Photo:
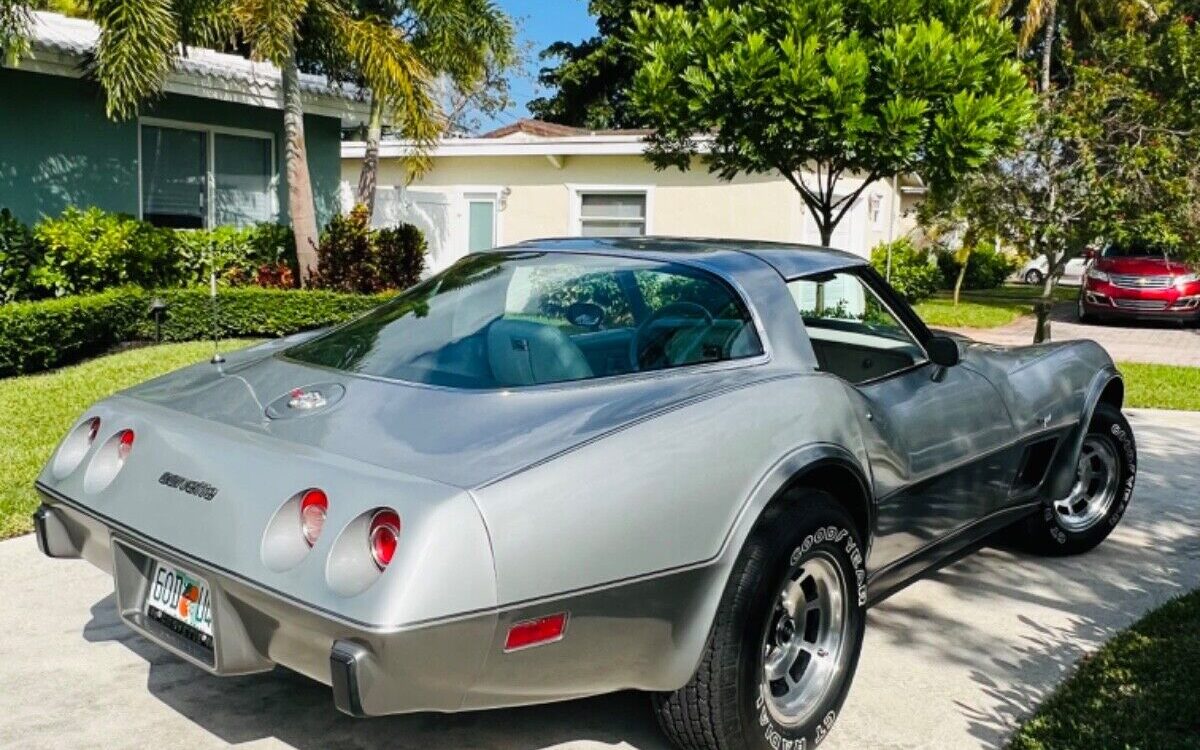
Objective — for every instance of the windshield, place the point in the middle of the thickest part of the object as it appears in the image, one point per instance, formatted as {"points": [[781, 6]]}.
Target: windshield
{"points": [[498, 320], [1136, 250]]}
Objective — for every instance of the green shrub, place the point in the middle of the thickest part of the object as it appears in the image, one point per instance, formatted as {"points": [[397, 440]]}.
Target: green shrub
{"points": [[400, 255], [39, 335], [986, 268], [237, 254], [353, 257], [250, 311], [89, 251], [19, 254], [50, 333], [914, 275]]}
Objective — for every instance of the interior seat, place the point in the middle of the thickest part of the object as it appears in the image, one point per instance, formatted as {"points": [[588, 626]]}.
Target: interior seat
{"points": [[525, 352]]}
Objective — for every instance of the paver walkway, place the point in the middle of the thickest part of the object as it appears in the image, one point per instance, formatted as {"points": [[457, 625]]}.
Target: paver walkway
{"points": [[1160, 343]]}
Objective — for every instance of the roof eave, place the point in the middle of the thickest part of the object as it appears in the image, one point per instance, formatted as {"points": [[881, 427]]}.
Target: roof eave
{"points": [[262, 94]]}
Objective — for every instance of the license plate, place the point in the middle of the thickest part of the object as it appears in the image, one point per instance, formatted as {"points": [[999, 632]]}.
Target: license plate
{"points": [[181, 602]]}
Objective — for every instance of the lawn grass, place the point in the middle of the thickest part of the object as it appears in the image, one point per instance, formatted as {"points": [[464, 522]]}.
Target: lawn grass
{"points": [[37, 410], [940, 312], [1161, 387], [1142, 690]]}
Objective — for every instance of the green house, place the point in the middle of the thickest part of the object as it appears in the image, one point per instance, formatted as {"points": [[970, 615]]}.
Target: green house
{"points": [[208, 152]]}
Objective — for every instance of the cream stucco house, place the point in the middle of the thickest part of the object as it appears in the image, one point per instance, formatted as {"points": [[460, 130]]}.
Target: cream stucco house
{"points": [[535, 179]]}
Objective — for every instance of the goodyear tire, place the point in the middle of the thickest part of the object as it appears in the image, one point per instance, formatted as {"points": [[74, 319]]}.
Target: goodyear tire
{"points": [[1103, 486], [785, 643]]}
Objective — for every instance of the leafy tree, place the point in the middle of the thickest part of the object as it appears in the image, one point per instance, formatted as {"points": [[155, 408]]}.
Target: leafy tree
{"points": [[844, 88], [1109, 157], [15, 22], [591, 79]]}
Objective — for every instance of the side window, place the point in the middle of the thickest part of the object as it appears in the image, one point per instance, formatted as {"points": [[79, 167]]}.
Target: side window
{"points": [[854, 335]]}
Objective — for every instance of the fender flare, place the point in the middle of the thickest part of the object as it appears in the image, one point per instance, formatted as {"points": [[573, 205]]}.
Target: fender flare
{"points": [[1062, 472], [778, 479]]}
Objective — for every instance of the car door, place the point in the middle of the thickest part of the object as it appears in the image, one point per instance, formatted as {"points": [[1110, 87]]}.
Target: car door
{"points": [[934, 435], [1073, 271]]}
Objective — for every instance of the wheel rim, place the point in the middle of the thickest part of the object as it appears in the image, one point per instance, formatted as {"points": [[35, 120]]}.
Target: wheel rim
{"points": [[804, 641], [1033, 277], [1095, 486]]}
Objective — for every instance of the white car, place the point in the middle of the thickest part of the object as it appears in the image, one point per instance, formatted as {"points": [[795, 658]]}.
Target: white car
{"points": [[1034, 271]]}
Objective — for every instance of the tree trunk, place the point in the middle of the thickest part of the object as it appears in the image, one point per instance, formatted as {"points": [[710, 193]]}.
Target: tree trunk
{"points": [[962, 275], [368, 178], [1046, 302], [1048, 34], [301, 207], [826, 229]]}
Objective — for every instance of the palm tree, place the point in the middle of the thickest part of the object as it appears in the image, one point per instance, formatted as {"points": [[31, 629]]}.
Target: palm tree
{"points": [[1084, 19], [139, 40], [460, 40]]}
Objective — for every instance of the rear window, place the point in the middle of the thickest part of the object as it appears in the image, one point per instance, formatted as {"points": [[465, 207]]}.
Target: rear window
{"points": [[500, 320]]}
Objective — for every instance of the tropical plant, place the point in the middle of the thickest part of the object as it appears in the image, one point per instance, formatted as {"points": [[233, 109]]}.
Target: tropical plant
{"points": [[89, 250], [140, 39], [19, 255], [15, 23], [467, 44], [356, 258], [834, 88]]}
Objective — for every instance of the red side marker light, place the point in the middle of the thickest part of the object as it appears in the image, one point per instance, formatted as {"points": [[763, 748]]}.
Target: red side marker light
{"points": [[536, 632]]}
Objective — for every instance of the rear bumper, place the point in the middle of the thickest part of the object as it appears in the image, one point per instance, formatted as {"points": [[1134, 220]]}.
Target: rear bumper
{"points": [[371, 671], [644, 634]]}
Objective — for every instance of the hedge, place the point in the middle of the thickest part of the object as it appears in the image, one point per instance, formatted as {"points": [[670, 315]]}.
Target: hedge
{"points": [[37, 336]]}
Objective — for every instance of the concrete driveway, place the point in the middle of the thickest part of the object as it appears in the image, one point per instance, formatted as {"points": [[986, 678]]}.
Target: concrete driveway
{"points": [[1126, 341], [952, 662]]}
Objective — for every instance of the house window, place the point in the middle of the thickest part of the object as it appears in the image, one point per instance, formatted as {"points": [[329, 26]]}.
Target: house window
{"points": [[195, 177], [609, 214]]}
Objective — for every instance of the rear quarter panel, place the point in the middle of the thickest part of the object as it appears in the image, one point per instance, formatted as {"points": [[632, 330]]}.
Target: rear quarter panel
{"points": [[660, 494]]}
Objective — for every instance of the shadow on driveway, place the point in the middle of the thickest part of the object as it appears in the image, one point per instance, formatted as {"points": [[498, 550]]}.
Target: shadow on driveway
{"points": [[300, 712]]}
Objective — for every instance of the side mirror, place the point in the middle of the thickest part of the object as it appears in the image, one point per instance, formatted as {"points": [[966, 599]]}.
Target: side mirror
{"points": [[943, 351]]}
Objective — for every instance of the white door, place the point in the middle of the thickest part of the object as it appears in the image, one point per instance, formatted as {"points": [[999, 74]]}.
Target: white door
{"points": [[481, 223]]}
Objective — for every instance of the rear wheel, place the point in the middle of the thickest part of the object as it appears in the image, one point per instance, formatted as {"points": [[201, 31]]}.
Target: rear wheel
{"points": [[785, 643], [1034, 277], [1104, 478]]}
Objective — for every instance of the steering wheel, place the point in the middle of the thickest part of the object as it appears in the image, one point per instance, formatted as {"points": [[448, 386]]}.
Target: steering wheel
{"points": [[643, 348]]}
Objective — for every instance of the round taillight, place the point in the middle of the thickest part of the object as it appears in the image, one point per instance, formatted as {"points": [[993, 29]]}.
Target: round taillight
{"points": [[384, 536], [75, 447], [124, 444], [314, 506]]}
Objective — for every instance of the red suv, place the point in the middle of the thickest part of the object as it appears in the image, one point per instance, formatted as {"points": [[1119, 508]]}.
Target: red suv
{"points": [[1139, 281]]}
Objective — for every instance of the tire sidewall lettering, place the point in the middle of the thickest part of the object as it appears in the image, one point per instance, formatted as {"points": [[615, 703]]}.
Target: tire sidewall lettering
{"points": [[846, 549]]}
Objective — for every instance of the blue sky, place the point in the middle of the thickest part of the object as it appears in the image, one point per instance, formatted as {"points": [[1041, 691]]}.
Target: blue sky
{"points": [[542, 22]]}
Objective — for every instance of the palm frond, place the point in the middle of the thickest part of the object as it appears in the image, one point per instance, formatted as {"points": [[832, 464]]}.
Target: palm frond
{"points": [[270, 27], [135, 51], [1036, 12], [206, 23], [15, 25]]}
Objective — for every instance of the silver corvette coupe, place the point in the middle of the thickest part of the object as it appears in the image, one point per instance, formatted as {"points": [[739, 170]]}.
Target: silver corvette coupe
{"points": [[576, 466]]}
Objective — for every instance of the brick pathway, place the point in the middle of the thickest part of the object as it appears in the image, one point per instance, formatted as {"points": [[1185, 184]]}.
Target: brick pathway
{"points": [[1160, 343]]}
